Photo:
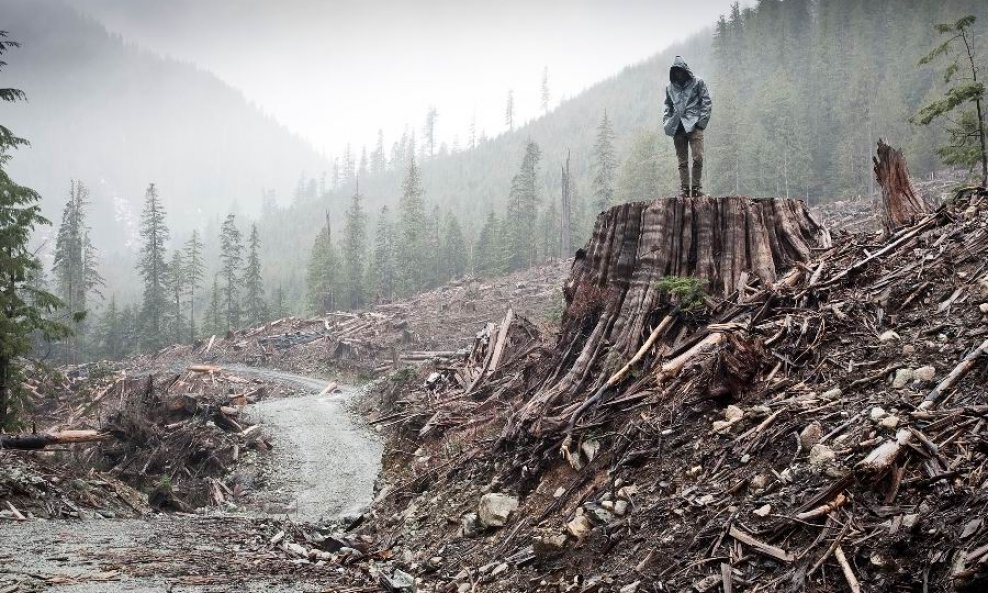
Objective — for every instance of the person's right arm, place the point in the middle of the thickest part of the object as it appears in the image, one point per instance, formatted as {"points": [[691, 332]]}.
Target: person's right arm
{"points": [[669, 109]]}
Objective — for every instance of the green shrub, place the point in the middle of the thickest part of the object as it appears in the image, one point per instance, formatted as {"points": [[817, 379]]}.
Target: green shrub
{"points": [[686, 292]]}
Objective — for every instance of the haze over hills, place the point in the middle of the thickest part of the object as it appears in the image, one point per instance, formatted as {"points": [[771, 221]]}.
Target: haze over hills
{"points": [[118, 117]]}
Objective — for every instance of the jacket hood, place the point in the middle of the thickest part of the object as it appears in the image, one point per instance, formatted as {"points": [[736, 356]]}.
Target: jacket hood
{"points": [[681, 64]]}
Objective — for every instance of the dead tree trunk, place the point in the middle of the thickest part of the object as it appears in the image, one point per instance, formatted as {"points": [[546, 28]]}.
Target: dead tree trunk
{"points": [[900, 204], [613, 294], [40, 441]]}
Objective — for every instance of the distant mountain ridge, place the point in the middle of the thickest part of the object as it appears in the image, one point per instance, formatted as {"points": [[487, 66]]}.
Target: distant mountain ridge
{"points": [[118, 117]]}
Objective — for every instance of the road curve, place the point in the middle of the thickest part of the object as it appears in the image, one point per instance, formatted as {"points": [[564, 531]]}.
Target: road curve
{"points": [[325, 460]]}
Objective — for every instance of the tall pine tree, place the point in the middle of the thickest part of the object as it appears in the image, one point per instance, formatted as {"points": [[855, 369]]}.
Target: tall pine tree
{"points": [[354, 250], [152, 269], [454, 250], [382, 269], [176, 288], [194, 274], [231, 264], [74, 266], [604, 165], [412, 231], [523, 207], [255, 305], [25, 308], [321, 279]]}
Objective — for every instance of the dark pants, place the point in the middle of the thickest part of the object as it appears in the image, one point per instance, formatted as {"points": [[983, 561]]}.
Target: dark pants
{"points": [[685, 143]]}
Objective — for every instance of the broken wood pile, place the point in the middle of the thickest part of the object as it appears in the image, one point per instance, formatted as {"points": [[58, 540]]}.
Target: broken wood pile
{"points": [[438, 324], [179, 434], [171, 434], [494, 365], [822, 431]]}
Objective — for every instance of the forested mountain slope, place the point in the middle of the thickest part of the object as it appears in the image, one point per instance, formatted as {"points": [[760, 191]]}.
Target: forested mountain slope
{"points": [[802, 90], [118, 117]]}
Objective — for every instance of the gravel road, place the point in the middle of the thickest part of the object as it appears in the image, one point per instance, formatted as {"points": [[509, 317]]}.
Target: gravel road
{"points": [[325, 461], [322, 467]]}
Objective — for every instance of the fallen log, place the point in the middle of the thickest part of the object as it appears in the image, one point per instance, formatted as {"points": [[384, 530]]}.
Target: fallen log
{"points": [[963, 368], [40, 441]]}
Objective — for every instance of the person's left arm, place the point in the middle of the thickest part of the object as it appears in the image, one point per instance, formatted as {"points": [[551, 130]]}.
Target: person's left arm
{"points": [[706, 106]]}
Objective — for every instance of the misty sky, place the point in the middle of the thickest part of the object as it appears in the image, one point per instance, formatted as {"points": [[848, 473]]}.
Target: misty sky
{"points": [[337, 70]]}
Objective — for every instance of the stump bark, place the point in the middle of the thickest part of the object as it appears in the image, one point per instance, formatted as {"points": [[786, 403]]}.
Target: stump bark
{"points": [[613, 294], [900, 204]]}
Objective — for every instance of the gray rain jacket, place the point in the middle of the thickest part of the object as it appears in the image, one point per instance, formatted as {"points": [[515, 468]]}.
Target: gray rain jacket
{"points": [[687, 104]]}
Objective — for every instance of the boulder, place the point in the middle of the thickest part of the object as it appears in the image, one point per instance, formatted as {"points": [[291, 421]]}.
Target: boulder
{"points": [[494, 509]]}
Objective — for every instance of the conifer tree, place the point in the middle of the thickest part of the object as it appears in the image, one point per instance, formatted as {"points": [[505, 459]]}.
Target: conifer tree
{"points": [[255, 305], [129, 330], [523, 206], [74, 266], [363, 168], [214, 315], [321, 278], [110, 336], [278, 303], [378, 161], [566, 214], [430, 132], [194, 273], [175, 286], [639, 178], [487, 251], [509, 111], [454, 250], [433, 243], [152, 269], [354, 248], [349, 172], [550, 232], [383, 265], [412, 240], [967, 131], [25, 308], [604, 165], [231, 263]]}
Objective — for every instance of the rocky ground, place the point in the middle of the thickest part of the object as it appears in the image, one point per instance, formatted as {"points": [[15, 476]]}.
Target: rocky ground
{"points": [[831, 437], [277, 462]]}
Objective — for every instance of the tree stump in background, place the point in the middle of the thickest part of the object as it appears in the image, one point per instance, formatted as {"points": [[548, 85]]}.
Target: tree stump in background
{"points": [[613, 292], [900, 204]]}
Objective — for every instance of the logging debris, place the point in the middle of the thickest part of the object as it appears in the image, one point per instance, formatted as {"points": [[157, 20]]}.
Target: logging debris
{"points": [[824, 431], [435, 325], [172, 438]]}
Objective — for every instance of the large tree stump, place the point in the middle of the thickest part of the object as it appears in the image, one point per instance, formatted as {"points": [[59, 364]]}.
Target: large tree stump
{"points": [[900, 204], [612, 294]]}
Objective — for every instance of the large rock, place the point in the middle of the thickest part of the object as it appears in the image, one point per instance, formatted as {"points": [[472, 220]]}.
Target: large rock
{"points": [[494, 509]]}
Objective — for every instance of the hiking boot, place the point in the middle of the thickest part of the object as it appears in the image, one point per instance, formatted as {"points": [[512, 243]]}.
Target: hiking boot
{"points": [[685, 193], [697, 193]]}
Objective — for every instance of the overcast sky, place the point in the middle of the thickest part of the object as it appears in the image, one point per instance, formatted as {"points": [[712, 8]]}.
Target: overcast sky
{"points": [[337, 70]]}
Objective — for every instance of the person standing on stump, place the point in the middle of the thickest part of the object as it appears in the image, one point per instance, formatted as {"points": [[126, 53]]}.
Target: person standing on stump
{"points": [[687, 112]]}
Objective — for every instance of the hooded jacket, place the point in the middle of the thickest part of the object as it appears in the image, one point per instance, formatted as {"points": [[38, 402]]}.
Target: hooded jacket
{"points": [[688, 103]]}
